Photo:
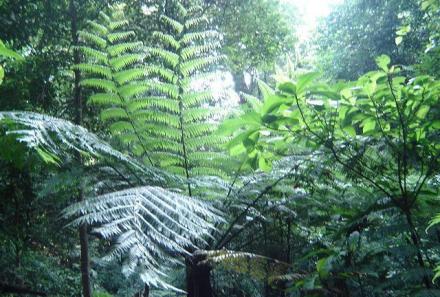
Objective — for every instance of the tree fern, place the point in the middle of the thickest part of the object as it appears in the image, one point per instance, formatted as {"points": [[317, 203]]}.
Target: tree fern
{"points": [[115, 70], [153, 107], [56, 138], [151, 226], [187, 52]]}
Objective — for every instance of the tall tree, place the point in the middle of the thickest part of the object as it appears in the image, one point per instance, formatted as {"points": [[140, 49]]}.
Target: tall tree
{"points": [[78, 106], [357, 31]]}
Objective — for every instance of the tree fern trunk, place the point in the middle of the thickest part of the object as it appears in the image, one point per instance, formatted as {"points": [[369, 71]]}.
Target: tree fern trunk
{"points": [[146, 291], [416, 242], [78, 106], [85, 261], [143, 293], [198, 276]]}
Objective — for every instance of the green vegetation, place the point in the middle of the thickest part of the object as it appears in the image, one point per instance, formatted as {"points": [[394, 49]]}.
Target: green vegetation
{"points": [[129, 170]]}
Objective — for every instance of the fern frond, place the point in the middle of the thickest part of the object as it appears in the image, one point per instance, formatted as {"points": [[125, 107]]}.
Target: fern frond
{"points": [[203, 142], [193, 51], [100, 70], [122, 48], [104, 17], [165, 146], [192, 99], [168, 75], [199, 114], [158, 118], [182, 11], [199, 129], [131, 74], [93, 54], [133, 90], [120, 36], [167, 39], [189, 67], [113, 113], [194, 9], [123, 61], [100, 29], [171, 58], [154, 107], [91, 37], [150, 224], [205, 156], [103, 84], [194, 22], [105, 99], [175, 25], [59, 137], [198, 36], [164, 133], [170, 90], [208, 171], [117, 24], [163, 104], [121, 127], [254, 265]]}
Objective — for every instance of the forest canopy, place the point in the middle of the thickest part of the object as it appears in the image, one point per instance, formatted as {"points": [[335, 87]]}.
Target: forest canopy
{"points": [[228, 148]]}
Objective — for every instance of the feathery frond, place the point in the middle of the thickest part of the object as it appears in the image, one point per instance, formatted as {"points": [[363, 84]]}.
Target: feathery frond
{"points": [[151, 224], [153, 108]]}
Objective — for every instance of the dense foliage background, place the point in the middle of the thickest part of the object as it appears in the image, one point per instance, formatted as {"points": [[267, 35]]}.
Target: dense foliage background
{"points": [[204, 148]]}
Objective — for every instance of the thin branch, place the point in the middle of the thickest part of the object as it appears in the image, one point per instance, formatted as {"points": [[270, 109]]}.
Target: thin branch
{"points": [[404, 133], [338, 159], [221, 242]]}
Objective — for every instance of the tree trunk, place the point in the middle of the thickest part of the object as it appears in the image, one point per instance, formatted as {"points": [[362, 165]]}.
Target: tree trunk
{"points": [[198, 282], [78, 106], [146, 291], [85, 261], [143, 293], [416, 242], [240, 85]]}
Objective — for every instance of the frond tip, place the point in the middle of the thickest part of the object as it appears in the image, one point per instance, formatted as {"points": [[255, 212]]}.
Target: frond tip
{"points": [[58, 137]]}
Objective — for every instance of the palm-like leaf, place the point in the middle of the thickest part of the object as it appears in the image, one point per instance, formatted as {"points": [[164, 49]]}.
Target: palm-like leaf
{"points": [[58, 138], [150, 224], [152, 107], [115, 69]]}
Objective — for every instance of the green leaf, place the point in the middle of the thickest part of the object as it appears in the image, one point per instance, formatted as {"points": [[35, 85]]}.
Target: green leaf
{"points": [[433, 222], [323, 266], [265, 90], [288, 88], [7, 53], [436, 124], [423, 111], [264, 164], [437, 274], [398, 40], [383, 62], [251, 139], [350, 130], [237, 150], [309, 283], [304, 81], [2, 74], [273, 102], [48, 157], [369, 125]]}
